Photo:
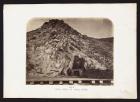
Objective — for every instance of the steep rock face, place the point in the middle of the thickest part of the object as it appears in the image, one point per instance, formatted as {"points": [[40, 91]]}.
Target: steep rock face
{"points": [[52, 49]]}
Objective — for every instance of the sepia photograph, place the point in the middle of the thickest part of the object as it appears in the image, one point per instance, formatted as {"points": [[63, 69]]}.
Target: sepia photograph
{"points": [[69, 51]]}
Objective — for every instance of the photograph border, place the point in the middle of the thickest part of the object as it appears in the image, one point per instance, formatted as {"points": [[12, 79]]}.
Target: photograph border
{"points": [[59, 2]]}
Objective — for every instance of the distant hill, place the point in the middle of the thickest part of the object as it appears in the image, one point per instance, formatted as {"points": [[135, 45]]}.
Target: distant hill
{"points": [[110, 39], [57, 49]]}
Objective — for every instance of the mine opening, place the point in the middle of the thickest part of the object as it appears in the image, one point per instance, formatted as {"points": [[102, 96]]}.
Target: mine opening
{"points": [[78, 68], [76, 73]]}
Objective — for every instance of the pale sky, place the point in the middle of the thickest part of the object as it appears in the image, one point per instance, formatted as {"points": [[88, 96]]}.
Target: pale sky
{"points": [[92, 27]]}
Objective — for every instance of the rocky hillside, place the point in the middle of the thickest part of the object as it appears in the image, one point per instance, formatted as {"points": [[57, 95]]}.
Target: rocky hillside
{"points": [[56, 49]]}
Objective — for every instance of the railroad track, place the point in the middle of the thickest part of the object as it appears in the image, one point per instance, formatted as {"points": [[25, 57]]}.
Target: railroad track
{"points": [[68, 81]]}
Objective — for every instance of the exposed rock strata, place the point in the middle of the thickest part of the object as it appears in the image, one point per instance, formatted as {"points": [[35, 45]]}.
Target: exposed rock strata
{"points": [[52, 49]]}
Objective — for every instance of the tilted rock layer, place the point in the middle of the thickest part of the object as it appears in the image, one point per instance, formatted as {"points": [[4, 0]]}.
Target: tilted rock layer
{"points": [[52, 48]]}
